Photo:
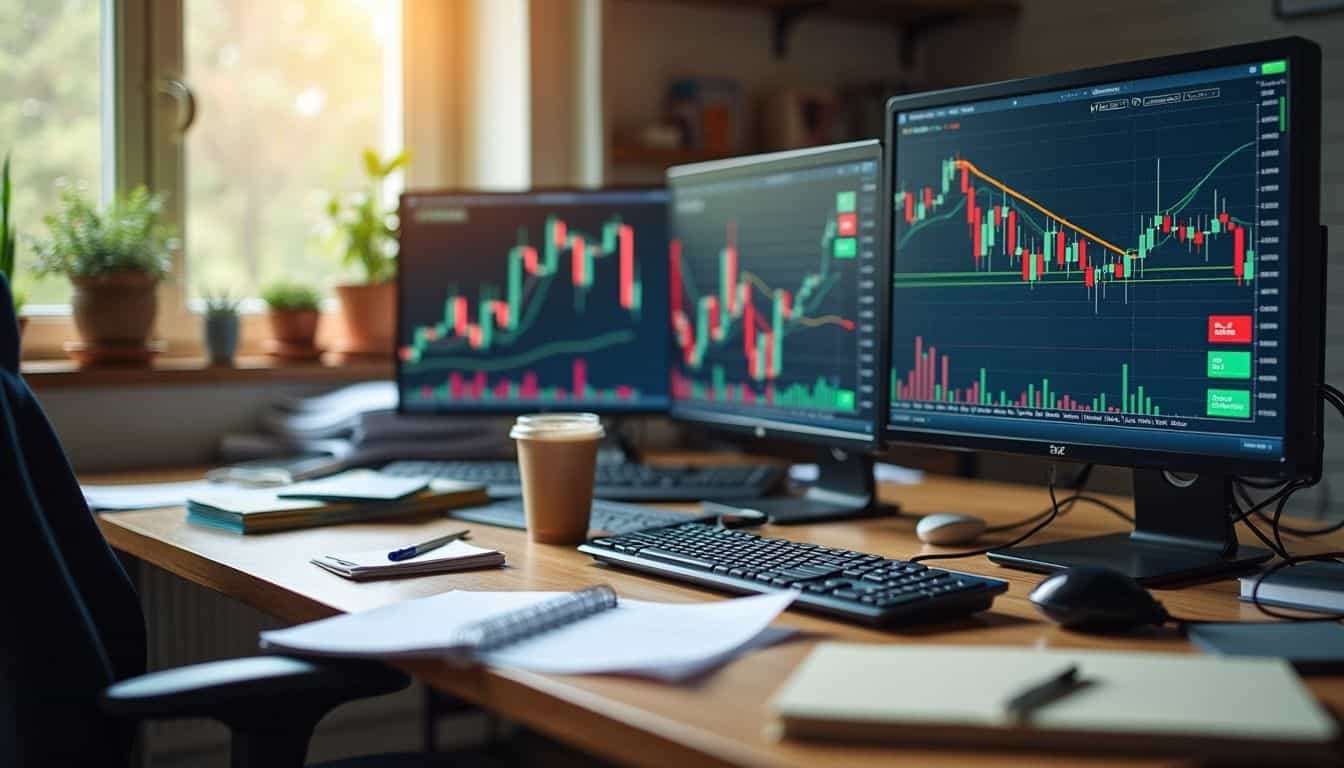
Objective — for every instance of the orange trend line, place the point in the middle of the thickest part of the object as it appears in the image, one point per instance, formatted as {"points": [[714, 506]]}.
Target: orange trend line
{"points": [[968, 165]]}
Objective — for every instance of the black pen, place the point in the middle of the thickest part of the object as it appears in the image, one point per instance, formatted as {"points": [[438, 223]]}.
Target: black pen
{"points": [[407, 553], [1057, 686]]}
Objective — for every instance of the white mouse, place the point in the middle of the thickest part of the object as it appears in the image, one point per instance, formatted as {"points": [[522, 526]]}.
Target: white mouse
{"points": [[949, 530]]}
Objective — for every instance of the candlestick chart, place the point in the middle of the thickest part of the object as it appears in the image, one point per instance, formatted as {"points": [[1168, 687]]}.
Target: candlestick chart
{"points": [[766, 295], [1093, 261], [523, 303]]}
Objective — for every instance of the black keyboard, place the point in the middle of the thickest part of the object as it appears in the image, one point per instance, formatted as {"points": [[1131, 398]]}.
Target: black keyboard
{"points": [[608, 517], [855, 586], [628, 481]]}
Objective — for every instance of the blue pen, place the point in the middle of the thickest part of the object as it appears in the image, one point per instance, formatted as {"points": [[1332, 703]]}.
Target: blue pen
{"points": [[407, 553]]}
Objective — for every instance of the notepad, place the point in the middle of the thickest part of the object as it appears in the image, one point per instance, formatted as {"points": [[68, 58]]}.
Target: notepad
{"points": [[355, 485], [546, 633], [373, 564], [1133, 702]]}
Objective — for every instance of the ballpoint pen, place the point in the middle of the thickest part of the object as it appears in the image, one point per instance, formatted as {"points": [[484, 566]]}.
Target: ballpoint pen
{"points": [[1053, 688], [406, 553]]}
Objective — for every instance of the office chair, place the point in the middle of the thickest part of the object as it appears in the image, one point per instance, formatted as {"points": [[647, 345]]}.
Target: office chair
{"points": [[72, 633]]}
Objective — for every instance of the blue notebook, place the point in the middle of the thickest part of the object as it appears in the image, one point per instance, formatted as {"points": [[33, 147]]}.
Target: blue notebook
{"points": [[1313, 586]]}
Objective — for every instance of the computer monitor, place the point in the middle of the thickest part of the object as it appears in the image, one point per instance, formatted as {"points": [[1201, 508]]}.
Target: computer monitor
{"points": [[1121, 265], [776, 304], [545, 300]]}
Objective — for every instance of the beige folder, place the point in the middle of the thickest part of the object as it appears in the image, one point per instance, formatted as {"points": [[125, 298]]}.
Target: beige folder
{"points": [[1183, 704]]}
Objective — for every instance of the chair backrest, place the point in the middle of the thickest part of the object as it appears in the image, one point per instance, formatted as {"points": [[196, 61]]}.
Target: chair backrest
{"points": [[72, 622]]}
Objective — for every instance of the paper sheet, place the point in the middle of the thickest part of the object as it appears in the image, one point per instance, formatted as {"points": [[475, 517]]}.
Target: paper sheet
{"points": [[664, 641], [146, 496]]}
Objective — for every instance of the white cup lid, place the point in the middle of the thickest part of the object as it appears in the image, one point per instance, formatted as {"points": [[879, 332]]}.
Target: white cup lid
{"points": [[557, 426]]}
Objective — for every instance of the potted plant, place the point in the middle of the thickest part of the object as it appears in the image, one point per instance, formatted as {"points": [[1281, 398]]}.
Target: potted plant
{"points": [[8, 239], [368, 234], [220, 327], [293, 317], [115, 259]]}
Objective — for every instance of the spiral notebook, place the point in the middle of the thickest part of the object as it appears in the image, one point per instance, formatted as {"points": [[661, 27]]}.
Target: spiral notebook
{"points": [[584, 632]]}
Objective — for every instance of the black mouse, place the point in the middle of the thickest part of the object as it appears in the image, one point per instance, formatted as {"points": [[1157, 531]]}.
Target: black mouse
{"points": [[1098, 600]]}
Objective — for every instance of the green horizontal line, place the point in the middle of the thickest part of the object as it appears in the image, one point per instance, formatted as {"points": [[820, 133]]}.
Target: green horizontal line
{"points": [[555, 348], [938, 284], [937, 275]]}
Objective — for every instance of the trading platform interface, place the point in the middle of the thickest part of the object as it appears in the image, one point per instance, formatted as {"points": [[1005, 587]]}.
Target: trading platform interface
{"points": [[534, 301], [1102, 265], [772, 302]]}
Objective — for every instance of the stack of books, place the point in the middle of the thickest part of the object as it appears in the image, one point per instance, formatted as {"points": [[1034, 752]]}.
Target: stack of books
{"points": [[352, 496]]}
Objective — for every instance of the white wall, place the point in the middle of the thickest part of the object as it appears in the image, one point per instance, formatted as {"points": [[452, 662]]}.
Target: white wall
{"points": [[1057, 35]]}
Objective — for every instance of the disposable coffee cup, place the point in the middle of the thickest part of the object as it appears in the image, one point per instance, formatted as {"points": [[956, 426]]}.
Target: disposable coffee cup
{"points": [[557, 459]]}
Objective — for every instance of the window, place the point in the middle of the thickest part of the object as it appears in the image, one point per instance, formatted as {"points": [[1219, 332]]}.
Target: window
{"points": [[289, 92], [49, 115]]}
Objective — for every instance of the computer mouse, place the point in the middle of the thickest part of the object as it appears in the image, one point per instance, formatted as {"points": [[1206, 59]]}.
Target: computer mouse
{"points": [[949, 530], [1098, 600]]}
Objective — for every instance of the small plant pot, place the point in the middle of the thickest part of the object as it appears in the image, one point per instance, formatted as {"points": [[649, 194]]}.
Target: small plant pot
{"points": [[114, 314], [369, 319], [292, 334], [221, 337]]}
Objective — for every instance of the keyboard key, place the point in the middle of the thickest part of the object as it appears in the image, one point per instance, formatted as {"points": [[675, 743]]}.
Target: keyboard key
{"points": [[664, 556]]}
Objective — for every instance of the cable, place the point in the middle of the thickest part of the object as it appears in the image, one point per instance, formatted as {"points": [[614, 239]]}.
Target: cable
{"points": [[1079, 483], [1050, 518], [1065, 504], [1280, 500]]}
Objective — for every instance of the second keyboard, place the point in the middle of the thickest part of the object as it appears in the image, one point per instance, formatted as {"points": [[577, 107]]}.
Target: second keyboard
{"points": [[627, 481]]}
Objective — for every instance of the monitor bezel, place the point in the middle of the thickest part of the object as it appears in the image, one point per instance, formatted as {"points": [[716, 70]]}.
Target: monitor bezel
{"points": [[773, 162], [1304, 304], [504, 409]]}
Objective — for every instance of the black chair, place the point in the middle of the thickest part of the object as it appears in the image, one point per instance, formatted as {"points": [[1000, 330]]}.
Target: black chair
{"points": [[72, 633]]}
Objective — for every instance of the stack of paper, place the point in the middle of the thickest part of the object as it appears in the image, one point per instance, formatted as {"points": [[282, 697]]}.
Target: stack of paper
{"points": [[454, 556]]}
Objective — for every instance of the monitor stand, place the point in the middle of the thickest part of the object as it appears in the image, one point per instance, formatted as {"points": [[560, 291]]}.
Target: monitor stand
{"points": [[845, 489], [1183, 530]]}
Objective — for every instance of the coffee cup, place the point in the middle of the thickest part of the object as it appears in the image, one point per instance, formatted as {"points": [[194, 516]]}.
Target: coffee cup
{"points": [[557, 459]]}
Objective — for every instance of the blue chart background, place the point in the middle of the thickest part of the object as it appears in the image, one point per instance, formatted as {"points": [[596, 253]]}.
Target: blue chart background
{"points": [[438, 255], [1099, 170]]}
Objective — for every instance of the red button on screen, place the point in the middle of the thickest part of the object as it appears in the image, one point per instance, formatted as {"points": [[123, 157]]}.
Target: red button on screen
{"points": [[1229, 329]]}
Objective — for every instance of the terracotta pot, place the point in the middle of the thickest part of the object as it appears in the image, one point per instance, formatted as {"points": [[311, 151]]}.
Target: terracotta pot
{"points": [[294, 327], [369, 318], [23, 326], [114, 310]]}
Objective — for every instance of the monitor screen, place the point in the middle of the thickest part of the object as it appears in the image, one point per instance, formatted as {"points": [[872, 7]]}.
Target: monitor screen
{"points": [[1096, 267], [774, 292], [546, 300]]}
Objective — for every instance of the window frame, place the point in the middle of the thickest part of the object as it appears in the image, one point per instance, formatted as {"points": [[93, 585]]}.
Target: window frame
{"points": [[143, 49]]}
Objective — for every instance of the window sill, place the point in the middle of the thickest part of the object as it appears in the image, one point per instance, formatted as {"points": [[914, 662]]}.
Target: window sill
{"points": [[193, 371]]}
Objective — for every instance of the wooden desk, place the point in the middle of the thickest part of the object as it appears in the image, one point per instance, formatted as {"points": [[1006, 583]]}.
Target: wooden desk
{"points": [[721, 720]]}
